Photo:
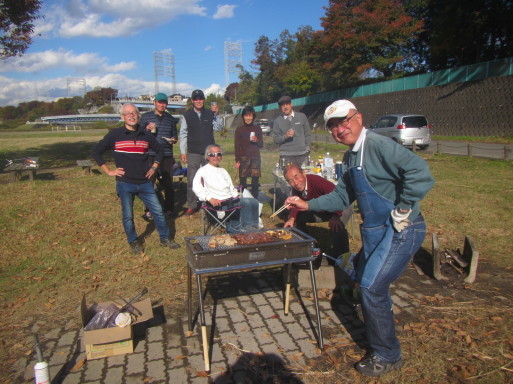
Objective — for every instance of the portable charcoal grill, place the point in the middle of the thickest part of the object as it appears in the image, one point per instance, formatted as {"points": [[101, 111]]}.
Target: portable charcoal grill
{"points": [[201, 260]]}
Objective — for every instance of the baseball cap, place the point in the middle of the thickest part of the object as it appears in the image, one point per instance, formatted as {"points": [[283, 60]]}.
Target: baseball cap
{"points": [[284, 100], [339, 108], [160, 97], [198, 94]]}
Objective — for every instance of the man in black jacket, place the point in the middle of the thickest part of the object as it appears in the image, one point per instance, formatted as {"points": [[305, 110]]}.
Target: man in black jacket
{"points": [[130, 147], [197, 127], [162, 125]]}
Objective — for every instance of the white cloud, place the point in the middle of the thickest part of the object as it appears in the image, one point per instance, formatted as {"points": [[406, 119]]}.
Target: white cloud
{"points": [[15, 91], [225, 11], [112, 18], [208, 48], [83, 63], [215, 89]]}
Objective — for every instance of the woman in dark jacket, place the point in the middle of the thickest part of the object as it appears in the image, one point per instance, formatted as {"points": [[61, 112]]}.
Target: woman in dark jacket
{"points": [[248, 141]]}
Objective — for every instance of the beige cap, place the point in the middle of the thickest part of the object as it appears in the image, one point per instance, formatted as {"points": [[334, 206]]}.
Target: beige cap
{"points": [[339, 108]]}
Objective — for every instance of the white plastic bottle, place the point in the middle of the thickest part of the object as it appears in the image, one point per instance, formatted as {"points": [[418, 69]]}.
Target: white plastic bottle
{"points": [[41, 373]]}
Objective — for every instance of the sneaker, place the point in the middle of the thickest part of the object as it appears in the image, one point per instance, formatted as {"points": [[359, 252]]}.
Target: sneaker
{"points": [[375, 367], [136, 247], [147, 216], [169, 244], [190, 211]]}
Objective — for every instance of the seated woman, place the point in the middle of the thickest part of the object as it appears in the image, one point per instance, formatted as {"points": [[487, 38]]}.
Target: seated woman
{"points": [[214, 185]]}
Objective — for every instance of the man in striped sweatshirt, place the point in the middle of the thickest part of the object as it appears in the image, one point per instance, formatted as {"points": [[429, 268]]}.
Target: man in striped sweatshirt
{"points": [[130, 148]]}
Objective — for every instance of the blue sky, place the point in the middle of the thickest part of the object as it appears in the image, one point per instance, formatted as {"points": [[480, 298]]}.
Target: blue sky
{"points": [[110, 43]]}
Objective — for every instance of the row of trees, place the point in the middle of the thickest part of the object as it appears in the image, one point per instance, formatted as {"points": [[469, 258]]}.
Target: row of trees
{"points": [[32, 110], [374, 40]]}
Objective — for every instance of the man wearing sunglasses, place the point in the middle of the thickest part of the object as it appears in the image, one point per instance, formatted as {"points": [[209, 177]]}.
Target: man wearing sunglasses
{"points": [[214, 185], [388, 181], [197, 127]]}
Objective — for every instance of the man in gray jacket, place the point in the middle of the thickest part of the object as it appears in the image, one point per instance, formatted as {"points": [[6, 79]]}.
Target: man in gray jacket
{"points": [[291, 131]]}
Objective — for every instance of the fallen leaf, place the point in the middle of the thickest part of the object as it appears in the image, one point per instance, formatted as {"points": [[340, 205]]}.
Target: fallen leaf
{"points": [[180, 357], [201, 374], [80, 363]]}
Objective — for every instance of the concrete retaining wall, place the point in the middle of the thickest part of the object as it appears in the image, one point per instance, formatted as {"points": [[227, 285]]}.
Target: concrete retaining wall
{"points": [[477, 108]]}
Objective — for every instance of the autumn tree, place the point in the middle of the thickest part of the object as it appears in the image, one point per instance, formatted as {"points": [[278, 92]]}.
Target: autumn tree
{"points": [[365, 38], [247, 89], [100, 96], [462, 33], [17, 25], [230, 94]]}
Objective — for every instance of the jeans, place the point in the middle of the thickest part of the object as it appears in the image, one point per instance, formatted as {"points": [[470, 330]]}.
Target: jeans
{"points": [[376, 299], [146, 192], [248, 219]]}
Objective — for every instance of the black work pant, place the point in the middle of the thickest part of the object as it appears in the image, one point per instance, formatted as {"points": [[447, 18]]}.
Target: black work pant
{"points": [[164, 175], [339, 239]]}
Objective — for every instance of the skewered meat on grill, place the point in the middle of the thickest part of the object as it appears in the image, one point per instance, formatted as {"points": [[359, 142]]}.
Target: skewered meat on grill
{"points": [[253, 238]]}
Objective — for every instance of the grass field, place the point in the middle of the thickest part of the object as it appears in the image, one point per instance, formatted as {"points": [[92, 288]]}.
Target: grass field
{"points": [[62, 235]]}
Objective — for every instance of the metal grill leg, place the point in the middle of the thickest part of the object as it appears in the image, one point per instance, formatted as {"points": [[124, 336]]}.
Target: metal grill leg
{"points": [[314, 288], [287, 289], [204, 337], [189, 296]]}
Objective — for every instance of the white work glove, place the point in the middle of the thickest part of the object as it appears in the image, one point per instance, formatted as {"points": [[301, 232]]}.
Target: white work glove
{"points": [[400, 218]]}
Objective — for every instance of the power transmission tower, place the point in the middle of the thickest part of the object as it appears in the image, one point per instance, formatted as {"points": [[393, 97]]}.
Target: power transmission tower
{"points": [[76, 83], [232, 58], [164, 66]]}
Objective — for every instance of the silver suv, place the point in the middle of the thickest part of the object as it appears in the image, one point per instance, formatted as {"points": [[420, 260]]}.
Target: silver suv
{"points": [[265, 124], [404, 129]]}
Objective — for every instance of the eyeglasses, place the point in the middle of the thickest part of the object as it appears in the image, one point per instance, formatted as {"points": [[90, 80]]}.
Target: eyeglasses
{"points": [[337, 123], [217, 154], [131, 114]]}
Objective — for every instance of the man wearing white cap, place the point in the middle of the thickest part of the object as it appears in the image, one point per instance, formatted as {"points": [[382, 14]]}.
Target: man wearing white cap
{"points": [[388, 181]]}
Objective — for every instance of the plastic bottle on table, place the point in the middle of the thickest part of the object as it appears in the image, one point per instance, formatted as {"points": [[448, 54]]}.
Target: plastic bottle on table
{"points": [[328, 167], [277, 169]]}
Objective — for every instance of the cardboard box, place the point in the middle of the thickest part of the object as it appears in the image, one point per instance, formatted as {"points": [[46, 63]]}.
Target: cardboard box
{"points": [[112, 341]]}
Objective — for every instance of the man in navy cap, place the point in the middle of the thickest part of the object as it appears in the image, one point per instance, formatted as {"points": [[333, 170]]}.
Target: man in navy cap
{"points": [[162, 125], [197, 127]]}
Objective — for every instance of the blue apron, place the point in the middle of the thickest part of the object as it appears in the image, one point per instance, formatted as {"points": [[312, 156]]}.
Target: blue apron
{"points": [[376, 230]]}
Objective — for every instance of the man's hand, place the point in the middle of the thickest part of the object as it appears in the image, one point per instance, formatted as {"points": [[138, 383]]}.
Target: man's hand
{"points": [[215, 202], [297, 202], [290, 222], [115, 172], [335, 224], [400, 219], [184, 158], [151, 172], [237, 165]]}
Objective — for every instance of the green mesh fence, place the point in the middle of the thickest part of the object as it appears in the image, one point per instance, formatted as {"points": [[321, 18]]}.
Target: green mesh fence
{"points": [[502, 67]]}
